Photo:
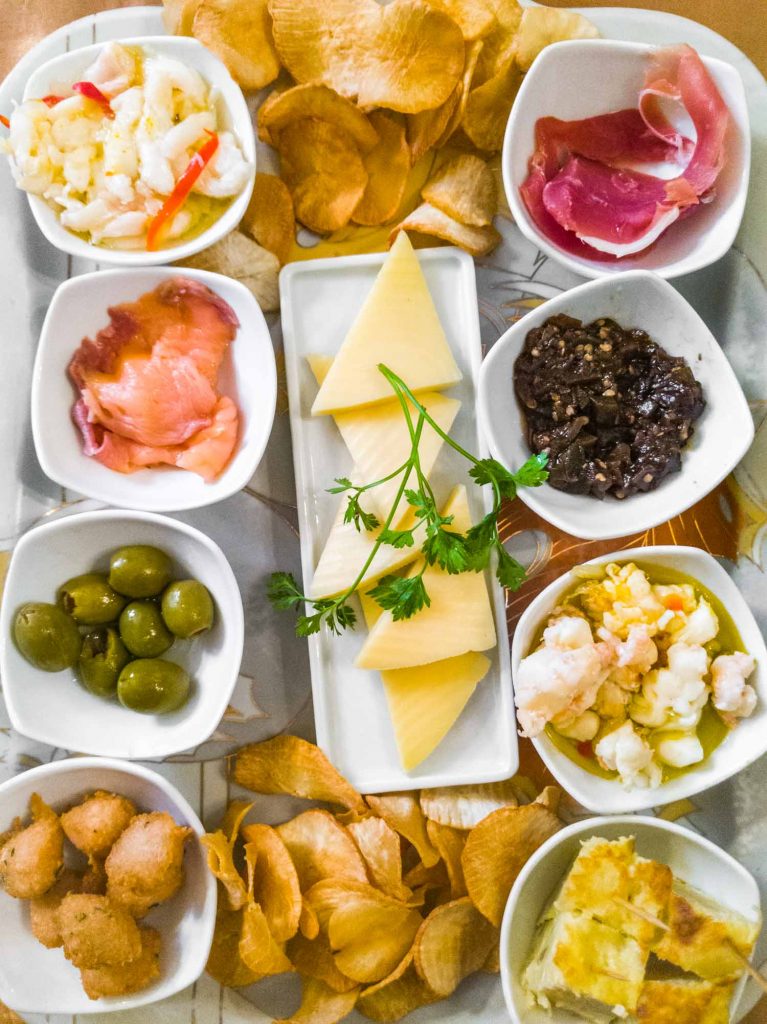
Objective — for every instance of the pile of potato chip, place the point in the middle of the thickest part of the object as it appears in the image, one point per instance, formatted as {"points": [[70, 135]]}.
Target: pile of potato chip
{"points": [[367, 93], [384, 903]]}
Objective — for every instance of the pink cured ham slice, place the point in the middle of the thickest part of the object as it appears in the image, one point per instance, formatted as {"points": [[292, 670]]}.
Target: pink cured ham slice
{"points": [[147, 383], [583, 189]]}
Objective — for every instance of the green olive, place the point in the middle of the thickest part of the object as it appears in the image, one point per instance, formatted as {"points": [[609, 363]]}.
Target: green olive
{"points": [[90, 600], [142, 630], [102, 658], [140, 571], [47, 637], [187, 608], [153, 686]]}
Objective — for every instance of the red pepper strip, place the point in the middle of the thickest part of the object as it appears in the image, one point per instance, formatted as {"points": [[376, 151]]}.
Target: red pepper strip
{"points": [[92, 92], [4, 121], [51, 100], [183, 187], [585, 749]]}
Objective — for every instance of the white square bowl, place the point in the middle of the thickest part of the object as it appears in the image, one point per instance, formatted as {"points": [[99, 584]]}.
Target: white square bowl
{"points": [[34, 979], [723, 434], [690, 856], [586, 77], [53, 707], [745, 743], [248, 376], [233, 114]]}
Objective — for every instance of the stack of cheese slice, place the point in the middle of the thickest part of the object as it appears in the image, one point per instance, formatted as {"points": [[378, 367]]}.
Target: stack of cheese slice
{"points": [[431, 663]]}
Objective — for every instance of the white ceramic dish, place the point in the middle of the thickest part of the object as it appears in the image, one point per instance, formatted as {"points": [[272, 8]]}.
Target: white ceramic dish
{"points": [[319, 301], [34, 979], [723, 434], [52, 707], [688, 854], [746, 743], [232, 114], [586, 77], [248, 376]]}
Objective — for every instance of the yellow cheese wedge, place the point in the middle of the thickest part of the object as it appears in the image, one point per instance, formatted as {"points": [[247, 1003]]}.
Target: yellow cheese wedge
{"points": [[425, 702], [378, 439], [346, 551], [397, 325], [459, 618]]}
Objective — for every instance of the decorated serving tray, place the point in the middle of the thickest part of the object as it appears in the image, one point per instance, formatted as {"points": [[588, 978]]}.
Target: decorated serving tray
{"points": [[257, 527]]}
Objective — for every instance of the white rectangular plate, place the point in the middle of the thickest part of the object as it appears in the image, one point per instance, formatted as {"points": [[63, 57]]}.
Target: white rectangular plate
{"points": [[320, 300]]}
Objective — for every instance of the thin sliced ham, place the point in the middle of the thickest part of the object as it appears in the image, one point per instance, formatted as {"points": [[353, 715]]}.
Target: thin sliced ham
{"points": [[147, 383], [586, 190]]}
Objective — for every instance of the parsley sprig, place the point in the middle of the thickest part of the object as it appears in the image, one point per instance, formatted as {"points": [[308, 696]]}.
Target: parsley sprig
{"points": [[455, 553]]}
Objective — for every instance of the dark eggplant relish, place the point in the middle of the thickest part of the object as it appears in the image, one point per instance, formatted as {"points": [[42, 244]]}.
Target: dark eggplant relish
{"points": [[610, 406]]}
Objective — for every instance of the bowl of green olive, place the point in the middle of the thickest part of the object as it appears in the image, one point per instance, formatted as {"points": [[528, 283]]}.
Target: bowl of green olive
{"points": [[121, 634]]}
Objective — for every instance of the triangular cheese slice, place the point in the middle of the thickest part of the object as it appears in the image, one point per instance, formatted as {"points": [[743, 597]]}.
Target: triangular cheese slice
{"points": [[397, 325], [346, 551], [459, 618], [425, 702], [379, 441]]}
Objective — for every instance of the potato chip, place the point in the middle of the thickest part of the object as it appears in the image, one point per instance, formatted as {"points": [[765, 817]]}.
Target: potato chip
{"points": [[450, 843], [452, 943], [388, 167], [320, 102], [405, 56], [321, 848], [224, 962], [177, 16], [473, 51], [240, 257], [314, 959], [269, 218], [423, 878], [321, 1005], [403, 812], [488, 106], [541, 26], [287, 764], [550, 798], [258, 950], [475, 18], [396, 995], [371, 937], [496, 851], [428, 221], [465, 806], [219, 851], [240, 35], [368, 931], [499, 44], [493, 963], [380, 847], [273, 880], [464, 189], [425, 129], [308, 922], [323, 169]]}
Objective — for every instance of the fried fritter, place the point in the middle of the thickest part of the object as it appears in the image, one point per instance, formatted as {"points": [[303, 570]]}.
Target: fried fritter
{"points": [[97, 933], [94, 880], [44, 911], [146, 864], [31, 857], [94, 825], [126, 978]]}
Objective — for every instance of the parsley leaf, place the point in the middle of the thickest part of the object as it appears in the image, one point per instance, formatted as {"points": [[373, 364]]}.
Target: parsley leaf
{"points": [[448, 550], [403, 596], [490, 471], [397, 538], [356, 514], [511, 574], [283, 591], [533, 473], [344, 484], [480, 540]]}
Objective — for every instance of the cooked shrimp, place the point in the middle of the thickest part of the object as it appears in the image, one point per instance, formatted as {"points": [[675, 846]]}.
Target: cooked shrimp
{"points": [[733, 697], [625, 751]]}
